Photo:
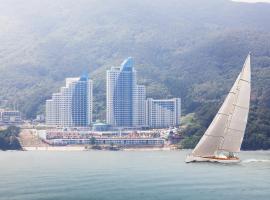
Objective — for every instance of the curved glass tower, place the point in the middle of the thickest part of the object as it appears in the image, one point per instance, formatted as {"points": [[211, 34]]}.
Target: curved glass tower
{"points": [[124, 97]]}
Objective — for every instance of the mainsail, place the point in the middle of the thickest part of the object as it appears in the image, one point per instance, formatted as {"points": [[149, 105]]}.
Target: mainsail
{"points": [[226, 131]]}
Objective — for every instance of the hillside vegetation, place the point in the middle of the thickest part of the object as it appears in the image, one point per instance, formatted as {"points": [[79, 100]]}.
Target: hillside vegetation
{"points": [[191, 49]]}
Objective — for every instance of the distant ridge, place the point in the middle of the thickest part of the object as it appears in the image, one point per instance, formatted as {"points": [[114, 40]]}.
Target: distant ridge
{"points": [[187, 48]]}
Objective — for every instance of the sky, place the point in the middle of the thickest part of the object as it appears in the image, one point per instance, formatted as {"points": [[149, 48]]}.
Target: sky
{"points": [[253, 1]]}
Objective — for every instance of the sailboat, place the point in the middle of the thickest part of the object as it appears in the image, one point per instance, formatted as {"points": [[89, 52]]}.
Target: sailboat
{"points": [[224, 136]]}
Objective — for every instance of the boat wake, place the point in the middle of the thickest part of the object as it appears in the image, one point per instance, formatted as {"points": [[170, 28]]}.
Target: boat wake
{"points": [[255, 160]]}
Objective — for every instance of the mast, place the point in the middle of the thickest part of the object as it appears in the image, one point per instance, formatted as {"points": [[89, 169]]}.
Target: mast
{"points": [[228, 126]]}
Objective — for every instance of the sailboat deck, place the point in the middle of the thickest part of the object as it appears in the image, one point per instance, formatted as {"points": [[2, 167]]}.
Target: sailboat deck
{"points": [[220, 158]]}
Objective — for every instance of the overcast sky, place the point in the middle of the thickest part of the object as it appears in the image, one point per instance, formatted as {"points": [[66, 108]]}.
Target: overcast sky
{"points": [[253, 1]]}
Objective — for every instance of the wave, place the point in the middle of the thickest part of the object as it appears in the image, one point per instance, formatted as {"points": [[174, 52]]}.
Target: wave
{"points": [[255, 160]]}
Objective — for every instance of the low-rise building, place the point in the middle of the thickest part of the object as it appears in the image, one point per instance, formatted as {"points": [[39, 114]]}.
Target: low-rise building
{"points": [[123, 142], [101, 127], [126, 139], [10, 117]]}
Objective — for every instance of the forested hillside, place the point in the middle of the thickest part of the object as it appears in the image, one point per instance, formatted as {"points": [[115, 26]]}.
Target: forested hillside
{"points": [[191, 49]]}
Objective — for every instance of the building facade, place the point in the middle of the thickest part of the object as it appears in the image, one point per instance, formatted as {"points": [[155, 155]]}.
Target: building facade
{"points": [[60, 137], [10, 117], [139, 95], [163, 113], [125, 99], [72, 106]]}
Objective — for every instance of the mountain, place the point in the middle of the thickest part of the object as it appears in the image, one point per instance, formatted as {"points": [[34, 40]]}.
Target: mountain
{"points": [[191, 49]]}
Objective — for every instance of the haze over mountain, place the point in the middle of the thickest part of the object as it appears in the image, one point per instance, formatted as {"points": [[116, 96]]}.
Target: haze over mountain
{"points": [[191, 49]]}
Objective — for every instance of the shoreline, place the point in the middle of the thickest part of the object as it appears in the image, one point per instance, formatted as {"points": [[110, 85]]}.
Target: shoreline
{"points": [[55, 148], [82, 148]]}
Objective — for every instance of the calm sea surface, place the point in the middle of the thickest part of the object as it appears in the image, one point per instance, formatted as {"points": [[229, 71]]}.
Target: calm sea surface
{"points": [[130, 175]]}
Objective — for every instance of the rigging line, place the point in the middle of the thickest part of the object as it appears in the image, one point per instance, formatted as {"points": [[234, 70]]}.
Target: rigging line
{"points": [[214, 136], [244, 80], [235, 129], [240, 106], [223, 114]]}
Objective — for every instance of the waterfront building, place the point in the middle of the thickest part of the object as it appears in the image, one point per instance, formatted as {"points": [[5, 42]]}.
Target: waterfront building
{"points": [[72, 106], [60, 137], [101, 127], [122, 142], [125, 98], [10, 116], [163, 113]]}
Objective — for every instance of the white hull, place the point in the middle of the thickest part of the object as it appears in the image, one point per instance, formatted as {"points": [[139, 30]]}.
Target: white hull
{"points": [[191, 158]]}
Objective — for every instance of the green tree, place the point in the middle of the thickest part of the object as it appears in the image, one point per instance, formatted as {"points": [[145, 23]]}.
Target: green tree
{"points": [[93, 140]]}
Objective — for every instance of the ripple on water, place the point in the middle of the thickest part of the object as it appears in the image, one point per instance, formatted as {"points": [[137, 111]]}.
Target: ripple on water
{"points": [[130, 175]]}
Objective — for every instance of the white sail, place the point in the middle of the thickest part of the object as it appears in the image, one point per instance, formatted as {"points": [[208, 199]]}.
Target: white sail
{"points": [[238, 119], [227, 129]]}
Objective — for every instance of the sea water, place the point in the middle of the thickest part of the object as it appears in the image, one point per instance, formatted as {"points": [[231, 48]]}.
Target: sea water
{"points": [[130, 175]]}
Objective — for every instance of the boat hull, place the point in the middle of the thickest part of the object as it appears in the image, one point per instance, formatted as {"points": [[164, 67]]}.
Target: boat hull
{"points": [[191, 158]]}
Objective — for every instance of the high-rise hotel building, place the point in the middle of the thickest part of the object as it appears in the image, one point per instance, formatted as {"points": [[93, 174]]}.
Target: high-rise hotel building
{"points": [[125, 99], [163, 113], [72, 106]]}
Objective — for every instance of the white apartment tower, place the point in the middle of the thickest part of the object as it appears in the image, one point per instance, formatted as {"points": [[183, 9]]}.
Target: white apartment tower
{"points": [[72, 106]]}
